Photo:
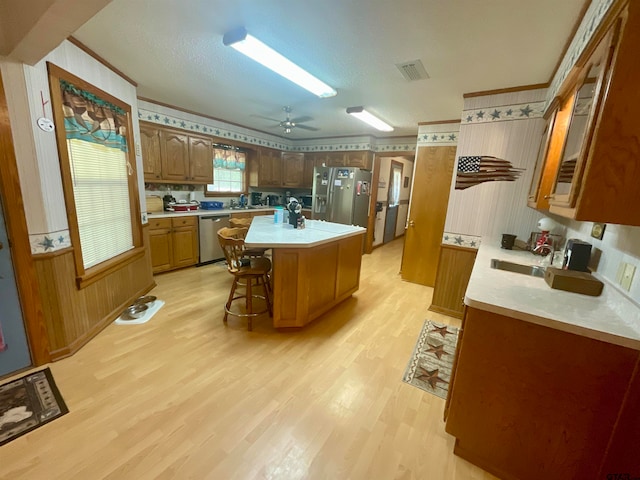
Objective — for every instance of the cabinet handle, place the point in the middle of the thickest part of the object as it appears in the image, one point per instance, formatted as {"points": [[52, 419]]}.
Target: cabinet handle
{"points": [[412, 223], [547, 197]]}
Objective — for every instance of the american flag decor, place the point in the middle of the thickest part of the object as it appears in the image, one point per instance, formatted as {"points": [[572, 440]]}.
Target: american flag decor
{"points": [[476, 170]]}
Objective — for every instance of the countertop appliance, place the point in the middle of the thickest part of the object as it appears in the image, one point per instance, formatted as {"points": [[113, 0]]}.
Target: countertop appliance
{"points": [[341, 195], [210, 249], [577, 255]]}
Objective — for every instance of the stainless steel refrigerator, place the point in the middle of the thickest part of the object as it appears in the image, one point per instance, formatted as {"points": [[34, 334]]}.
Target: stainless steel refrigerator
{"points": [[341, 195]]}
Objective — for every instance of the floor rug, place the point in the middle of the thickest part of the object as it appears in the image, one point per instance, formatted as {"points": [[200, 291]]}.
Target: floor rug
{"points": [[28, 403], [432, 360]]}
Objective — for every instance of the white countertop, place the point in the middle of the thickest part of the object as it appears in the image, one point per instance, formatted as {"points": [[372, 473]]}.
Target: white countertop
{"points": [[264, 233], [203, 212], [609, 317]]}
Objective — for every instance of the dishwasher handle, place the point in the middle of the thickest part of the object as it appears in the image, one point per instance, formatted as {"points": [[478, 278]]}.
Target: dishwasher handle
{"points": [[215, 219]]}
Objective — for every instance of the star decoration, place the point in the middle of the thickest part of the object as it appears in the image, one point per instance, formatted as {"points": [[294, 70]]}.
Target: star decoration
{"points": [[473, 243], [438, 351], [452, 137], [166, 120], [525, 111], [60, 239], [425, 137], [441, 330], [509, 112], [47, 243], [156, 116], [495, 114], [469, 118], [431, 377], [458, 240], [182, 124], [434, 137], [446, 237], [480, 114]]}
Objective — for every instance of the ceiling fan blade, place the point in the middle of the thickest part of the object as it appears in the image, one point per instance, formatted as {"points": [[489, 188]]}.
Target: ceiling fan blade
{"points": [[306, 127], [301, 119], [266, 118]]}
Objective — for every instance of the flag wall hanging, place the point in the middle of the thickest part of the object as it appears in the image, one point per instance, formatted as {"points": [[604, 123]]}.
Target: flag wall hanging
{"points": [[479, 169]]}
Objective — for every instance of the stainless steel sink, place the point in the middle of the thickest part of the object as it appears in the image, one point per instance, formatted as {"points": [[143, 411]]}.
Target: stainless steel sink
{"points": [[532, 270]]}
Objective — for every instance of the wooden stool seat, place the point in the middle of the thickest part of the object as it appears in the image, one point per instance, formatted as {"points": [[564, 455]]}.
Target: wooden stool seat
{"points": [[248, 272]]}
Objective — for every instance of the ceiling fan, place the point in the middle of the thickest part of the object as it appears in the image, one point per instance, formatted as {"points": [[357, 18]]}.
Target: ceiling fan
{"points": [[288, 124]]}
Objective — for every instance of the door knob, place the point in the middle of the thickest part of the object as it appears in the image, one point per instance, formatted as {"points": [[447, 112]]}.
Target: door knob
{"points": [[412, 223]]}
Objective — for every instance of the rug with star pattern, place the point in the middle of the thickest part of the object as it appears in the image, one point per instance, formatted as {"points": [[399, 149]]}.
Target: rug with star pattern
{"points": [[430, 366]]}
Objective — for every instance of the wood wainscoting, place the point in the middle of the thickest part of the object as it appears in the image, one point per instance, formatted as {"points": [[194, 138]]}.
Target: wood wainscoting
{"points": [[74, 316]]}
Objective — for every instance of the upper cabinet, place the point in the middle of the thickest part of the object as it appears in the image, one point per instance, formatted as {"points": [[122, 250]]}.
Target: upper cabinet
{"points": [[175, 155], [593, 151], [269, 168], [292, 169], [361, 159]]}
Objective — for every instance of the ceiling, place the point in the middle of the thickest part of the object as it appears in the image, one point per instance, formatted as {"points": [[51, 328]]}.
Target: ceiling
{"points": [[173, 49]]}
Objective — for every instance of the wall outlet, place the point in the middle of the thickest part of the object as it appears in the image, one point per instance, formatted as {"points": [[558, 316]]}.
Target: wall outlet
{"points": [[627, 276]]}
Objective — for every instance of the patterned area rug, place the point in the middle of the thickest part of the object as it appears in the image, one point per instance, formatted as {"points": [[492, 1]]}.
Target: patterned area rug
{"points": [[28, 403], [432, 360]]}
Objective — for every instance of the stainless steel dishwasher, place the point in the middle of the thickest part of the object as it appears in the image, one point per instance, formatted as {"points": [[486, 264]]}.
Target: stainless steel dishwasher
{"points": [[209, 225]]}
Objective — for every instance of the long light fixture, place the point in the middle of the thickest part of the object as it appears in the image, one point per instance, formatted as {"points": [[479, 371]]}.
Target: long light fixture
{"points": [[265, 55], [367, 117]]}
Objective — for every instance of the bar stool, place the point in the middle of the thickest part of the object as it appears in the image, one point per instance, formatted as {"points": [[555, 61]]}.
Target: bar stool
{"points": [[245, 271], [245, 222]]}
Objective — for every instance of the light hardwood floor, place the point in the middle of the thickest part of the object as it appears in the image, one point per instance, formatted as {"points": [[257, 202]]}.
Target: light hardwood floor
{"points": [[184, 397]]}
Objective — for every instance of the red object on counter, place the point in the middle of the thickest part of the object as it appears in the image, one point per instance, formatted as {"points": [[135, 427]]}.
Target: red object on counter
{"points": [[183, 207]]}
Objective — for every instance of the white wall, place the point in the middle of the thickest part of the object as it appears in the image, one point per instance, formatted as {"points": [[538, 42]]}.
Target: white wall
{"points": [[36, 150], [492, 208]]}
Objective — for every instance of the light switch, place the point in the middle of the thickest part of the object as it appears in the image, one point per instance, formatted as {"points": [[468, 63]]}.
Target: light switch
{"points": [[627, 276]]}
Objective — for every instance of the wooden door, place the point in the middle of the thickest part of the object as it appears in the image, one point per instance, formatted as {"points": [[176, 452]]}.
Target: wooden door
{"points": [[174, 148], [292, 169], [454, 271], [427, 214], [201, 159], [270, 169], [150, 146]]}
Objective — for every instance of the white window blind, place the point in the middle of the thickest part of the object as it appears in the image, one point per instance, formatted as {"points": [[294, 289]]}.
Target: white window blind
{"points": [[101, 192]]}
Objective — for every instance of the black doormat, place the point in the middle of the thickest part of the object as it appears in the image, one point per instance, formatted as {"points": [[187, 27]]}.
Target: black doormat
{"points": [[28, 403]]}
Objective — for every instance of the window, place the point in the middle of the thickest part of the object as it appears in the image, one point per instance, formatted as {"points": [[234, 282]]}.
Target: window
{"points": [[229, 166], [98, 175]]}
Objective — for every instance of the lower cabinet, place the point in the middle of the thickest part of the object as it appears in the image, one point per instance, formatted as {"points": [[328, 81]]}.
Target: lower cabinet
{"points": [[530, 402], [454, 270], [173, 242]]}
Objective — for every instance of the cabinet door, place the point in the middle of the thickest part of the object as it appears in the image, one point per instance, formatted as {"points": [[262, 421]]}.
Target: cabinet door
{"points": [[307, 175], [185, 241], [292, 169], [586, 102], [361, 159], [201, 159], [334, 159], [161, 245], [270, 169], [174, 148], [150, 146], [545, 168]]}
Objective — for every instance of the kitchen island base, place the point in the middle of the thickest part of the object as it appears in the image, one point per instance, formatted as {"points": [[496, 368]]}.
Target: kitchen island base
{"points": [[308, 282]]}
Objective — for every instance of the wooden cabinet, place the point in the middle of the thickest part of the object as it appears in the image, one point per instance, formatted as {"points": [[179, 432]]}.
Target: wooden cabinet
{"points": [[546, 162], [596, 168], [176, 156], [269, 168], [330, 159], [361, 159], [454, 271], [521, 405], [200, 159], [307, 173], [250, 213], [150, 146], [292, 169], [173, 242]]}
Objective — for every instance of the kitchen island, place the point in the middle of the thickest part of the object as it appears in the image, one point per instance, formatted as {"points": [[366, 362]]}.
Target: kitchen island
{"points": [[545, 382], [314, 268]]}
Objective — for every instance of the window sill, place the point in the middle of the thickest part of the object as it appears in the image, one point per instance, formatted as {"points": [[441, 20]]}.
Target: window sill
{"points": [[104, 269]]}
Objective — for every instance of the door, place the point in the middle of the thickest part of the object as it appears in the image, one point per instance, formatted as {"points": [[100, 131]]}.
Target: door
{"points": [[433, 173], [393, 200], [14, 349]]}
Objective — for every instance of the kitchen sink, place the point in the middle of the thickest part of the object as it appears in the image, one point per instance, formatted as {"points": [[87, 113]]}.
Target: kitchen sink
{"points": [[248, 207], [532, 270]]}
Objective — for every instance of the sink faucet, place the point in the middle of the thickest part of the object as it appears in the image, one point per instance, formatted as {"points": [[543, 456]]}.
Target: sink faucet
{"points": [[232, 203]]}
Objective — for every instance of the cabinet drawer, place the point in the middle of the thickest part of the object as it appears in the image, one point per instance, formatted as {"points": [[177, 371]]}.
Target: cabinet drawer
{"points": [[159, 223], [189, 221]]}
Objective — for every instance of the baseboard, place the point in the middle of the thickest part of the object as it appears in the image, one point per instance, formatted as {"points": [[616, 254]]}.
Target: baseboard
{"points": [[446, 311]]}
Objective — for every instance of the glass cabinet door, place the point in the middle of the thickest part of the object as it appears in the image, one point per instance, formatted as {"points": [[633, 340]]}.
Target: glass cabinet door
{"points": [[585, 103], [543, 149]]}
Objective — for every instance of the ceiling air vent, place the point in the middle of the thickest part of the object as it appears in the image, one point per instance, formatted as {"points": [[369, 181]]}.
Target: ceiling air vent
{"points": [[413, 70]]}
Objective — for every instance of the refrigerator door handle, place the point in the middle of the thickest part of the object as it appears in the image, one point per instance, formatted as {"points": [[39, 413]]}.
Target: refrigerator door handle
{"points": [[330, 206]]}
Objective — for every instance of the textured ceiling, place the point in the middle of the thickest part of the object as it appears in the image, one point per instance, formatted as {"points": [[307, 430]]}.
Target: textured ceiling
{"points": [[173, 49]]}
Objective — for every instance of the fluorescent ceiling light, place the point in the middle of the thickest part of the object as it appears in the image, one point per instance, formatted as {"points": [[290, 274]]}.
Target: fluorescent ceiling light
{"points": [[265, 55], [367, 117]]}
